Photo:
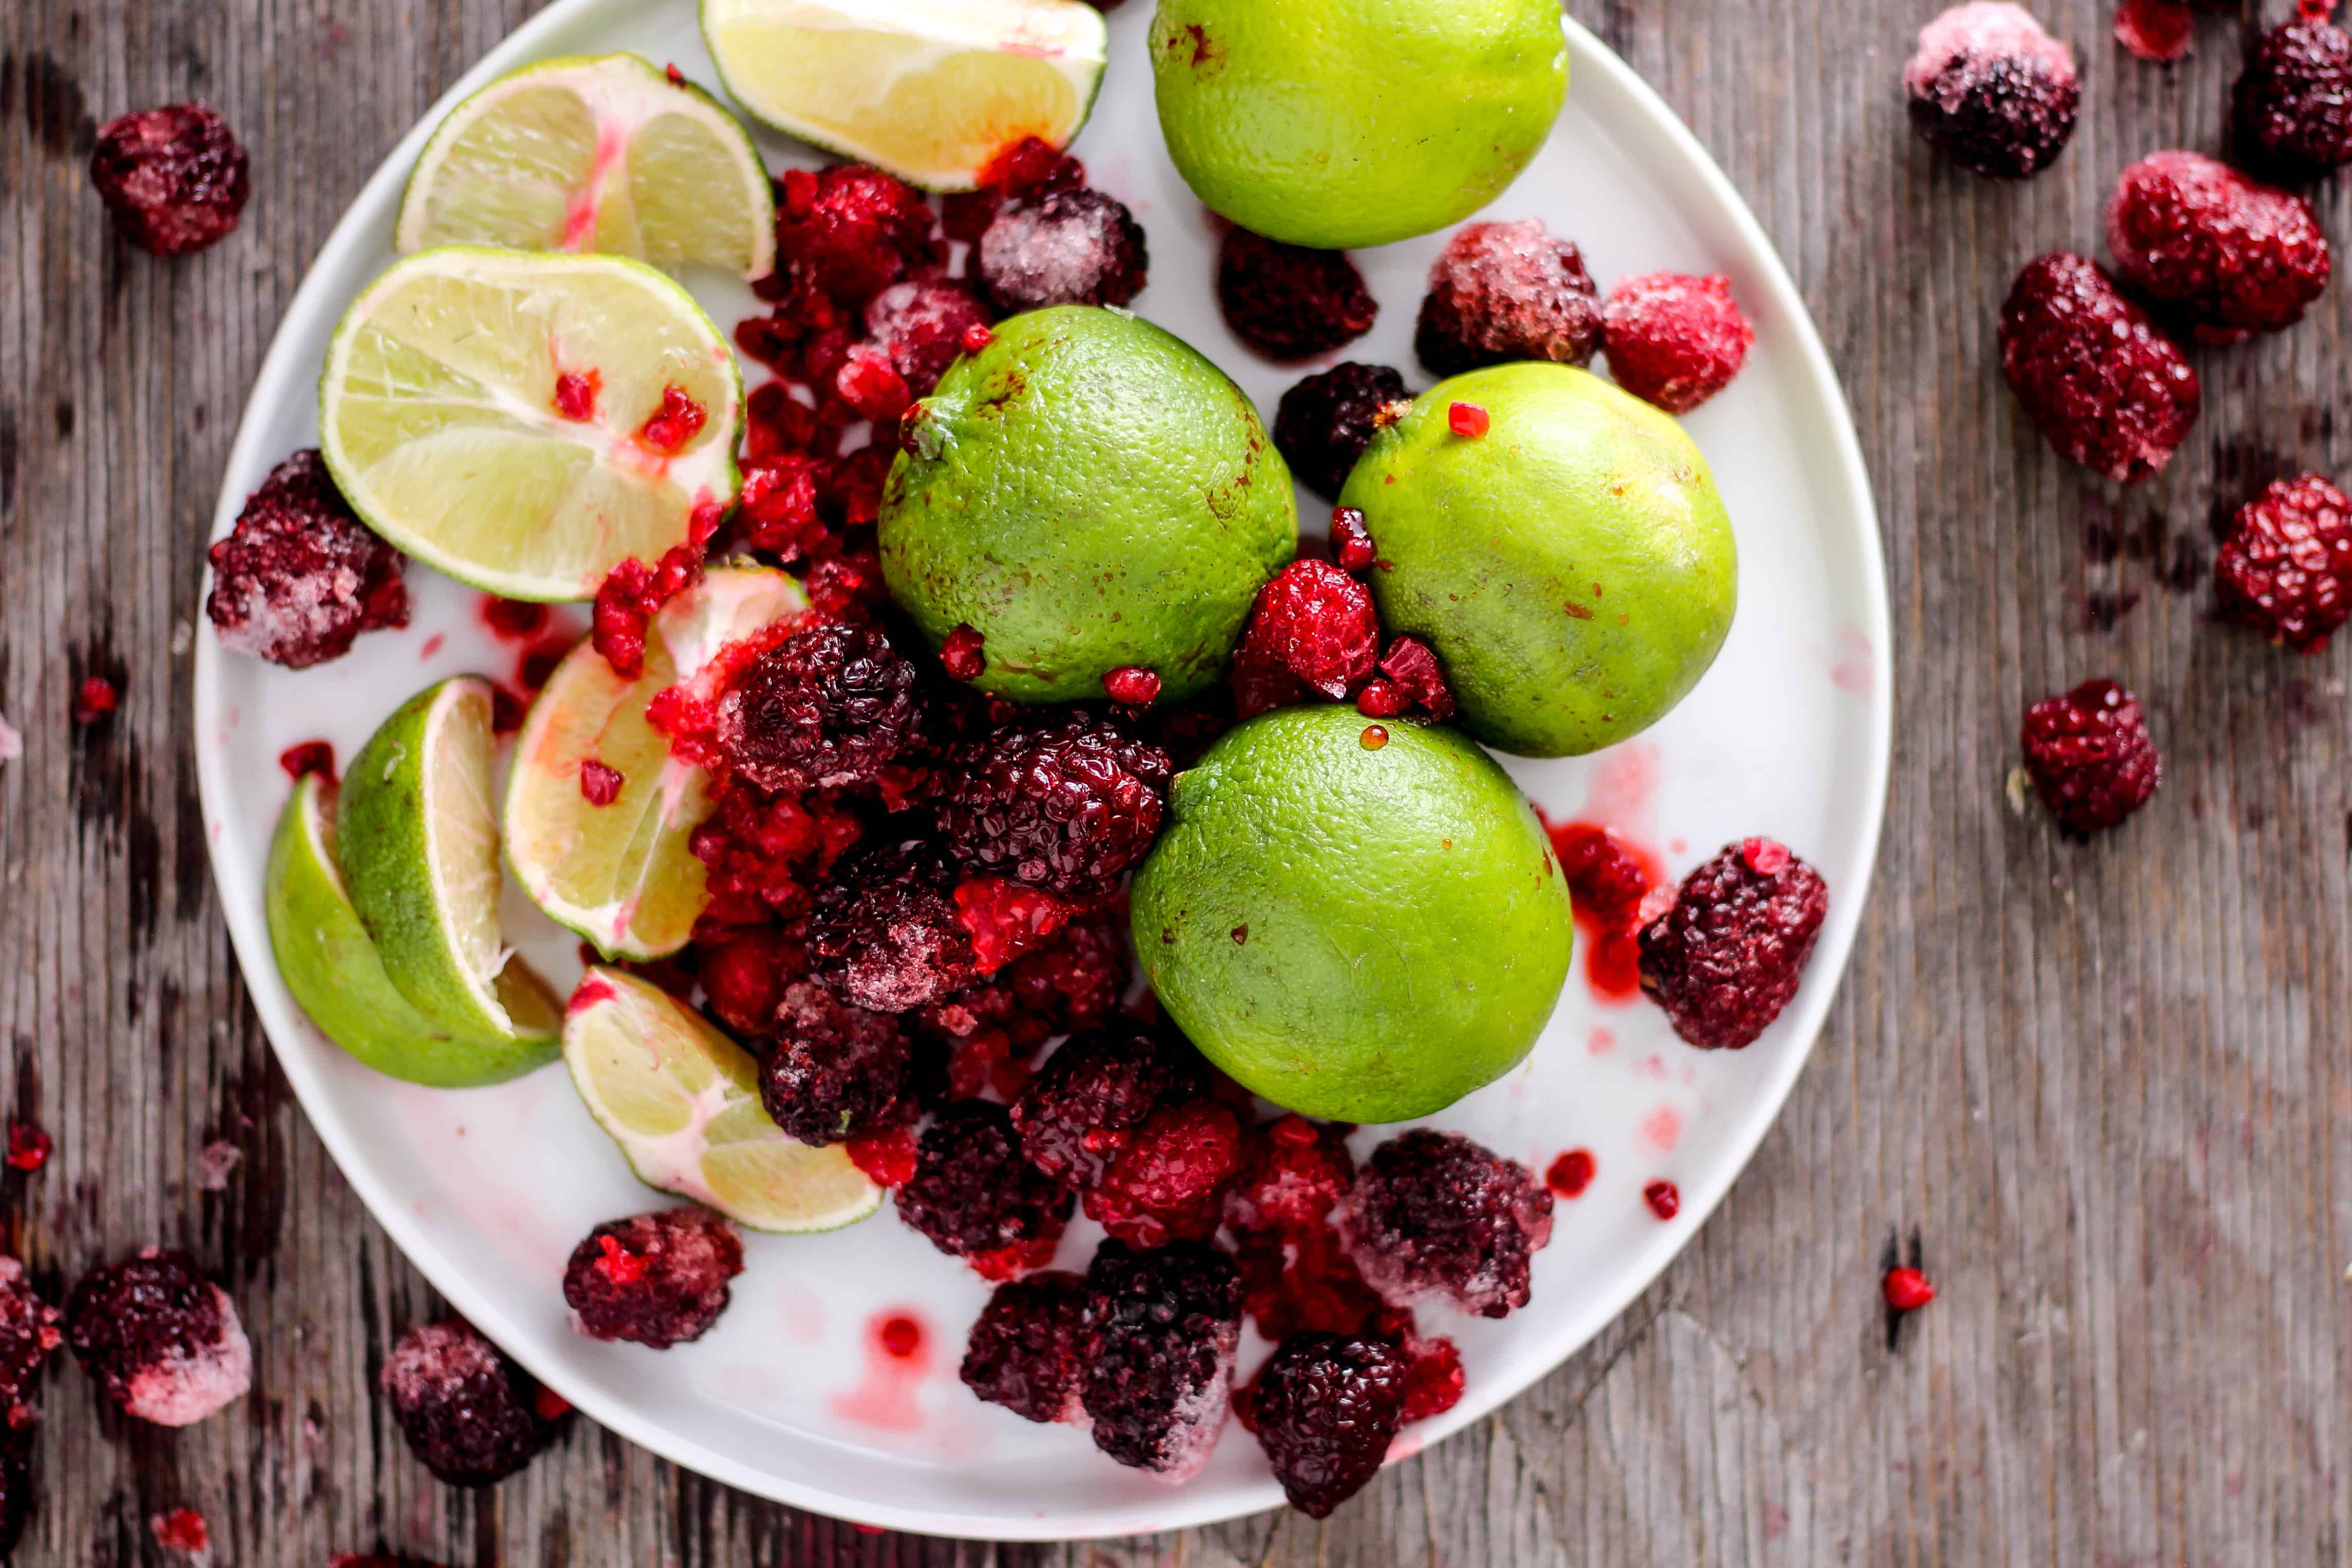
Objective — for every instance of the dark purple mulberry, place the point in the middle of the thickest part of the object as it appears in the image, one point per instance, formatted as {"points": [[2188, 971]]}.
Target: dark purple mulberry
{"points": [[2292, 109], [2287, 568], [1287, 302], [2104, 386], [1323, 425], [1433, 1214], [470, 1415], [300, 577], [2090, 757], [835, 1072], [162, 1341], [1728, 955], [1074, 1113], [656, 1279], [1508, 291], [1027, 1351], [1992, 91], [175, 178], [1069, 809], [1069, 246], [829, 706], [1159, 1381], [1327, 1407], [884, 931], [975, 1197]]}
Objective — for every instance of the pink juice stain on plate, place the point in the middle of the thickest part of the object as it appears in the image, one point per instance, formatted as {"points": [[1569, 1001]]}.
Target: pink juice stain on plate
{"points": [[898, 1360], [1608, 852], [1663, 1128]]}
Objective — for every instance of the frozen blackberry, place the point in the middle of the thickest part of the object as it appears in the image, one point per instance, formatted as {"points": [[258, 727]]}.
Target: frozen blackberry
{"points": [[1676, 340], [299, 577], [656, 1279], [2287, 568], [1727, 955], [470, 1415], [885, 933], [2292, 109], [1433, 1214], [1167, 1179], [175, 178], [975, 1197], [835, 1072], [1027, 1351], [921, 323], [1318, 622], [1069, 246], [2230, 256], [1287, 302], [1070, 808], [829, 706], [1081, 1107], [1992, 91], [850, 231], [1159, 1382], [1508, 291], [1323, 425], [2090, 757], [2104, 386], [1293, 1173], [162, 1341], [1326, 1408]]}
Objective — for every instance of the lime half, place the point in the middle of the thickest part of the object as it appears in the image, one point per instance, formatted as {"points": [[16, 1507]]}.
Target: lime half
{"points": [[602, 153], [683, 1102], [930, 90], [526, 421], [622, 874]]}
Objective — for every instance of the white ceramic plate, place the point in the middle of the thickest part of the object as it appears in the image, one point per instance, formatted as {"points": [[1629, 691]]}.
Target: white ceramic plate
{"points": [[489, 1190]]}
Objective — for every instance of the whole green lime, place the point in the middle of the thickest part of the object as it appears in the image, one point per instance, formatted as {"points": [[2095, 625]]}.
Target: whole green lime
{"points": [[1573, 566], [1088, 494], [1357, 921], [1340, 124]]}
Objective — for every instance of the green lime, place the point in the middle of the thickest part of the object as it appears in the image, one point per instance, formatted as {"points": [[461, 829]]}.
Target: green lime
{"points": [[1089, 494], [683, 1102], [1573, 567], [1355, 920], [1340, 123], [326, 961], [419, 845]]}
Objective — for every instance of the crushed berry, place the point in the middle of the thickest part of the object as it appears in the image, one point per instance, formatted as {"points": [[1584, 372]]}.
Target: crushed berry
{"points": [[829, 706], [1292, 1173], [469, 1415], [1069, 809], [836, 1072], [1326, 1408], [975, 1197], [1728, 955], [2285, 568], [600, 785], [28, 1146], [28, 1334], [2090, 757], [1411, 665], [1167, 1179], [1027, 1350], [762, 854], [1005, 918], [2291, 108], [1158, 1383], [1501, 292], [1287, 302], [1302, 1278], [1351, 540], [2104, 386], [1606, 882], [872, 385], [656, 1279], [1466, 420], [181, 1529], [885, 931], [2155, 30], [575, 394], [162, 1341], [1433, 1214], [1323, 425], [2194, 236], [1069, 982], [1665, 1200], [94, 699], [633, 592], [669, 428], [1132, 685], [175, 178], [922, 324], [299, 577], [1433, 1380], [1570, 1174], [1906, 1290], [308, 756], [1676, 340], [1991, 90], [1317, 623], [886, 1158], [1070, 246], [851, 230], [963, 655]]}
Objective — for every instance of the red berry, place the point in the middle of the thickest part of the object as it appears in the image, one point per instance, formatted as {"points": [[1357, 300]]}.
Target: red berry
{"points": [[1318, 622], [2291, 108], [161, 1341], [575, 394], [963, 653], [1412, 665], [300, 577], [655, 1280], [175, 178], [2101, 385], [1071, 809], [869, 384], [679, 421], [2287, 568], [598, 785], [1728, 955], [1167, 1180], [1351, 540], [832, 705], [1287, 302], [1028, 1348], [1082, 1107], [886, 1158], [182, 1530], [94, 699], [1906, 1290], [974, 1196], [1665, 1200], [1991, 90], [28, 1146], [2192, 233], [850, 231], [1508, 291], [1466, 420], [2090, 757], [1325, 1409], [920, 324], [835, 1072], [1570, 1174], [1676, 340], [1132, 685], [1159, 1376], [1383, 699], [471, 1415], [1293, 1173]]}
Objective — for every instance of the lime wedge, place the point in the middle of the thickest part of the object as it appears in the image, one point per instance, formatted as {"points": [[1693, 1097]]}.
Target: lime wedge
{"points": [[622, 874], [930, 90], [602, 153], [683, 1102], [419, 846], [438, 415], [328, 962]]}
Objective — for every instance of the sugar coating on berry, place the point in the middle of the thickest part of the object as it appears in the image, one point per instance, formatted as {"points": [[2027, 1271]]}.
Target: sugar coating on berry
{"points": [[28, 1334], [829, 706], [1082, 1107], [656, 1279], [1323, 424], [976, 1198], [1991, 90], [1318, 622], [2090, 756], [850, 231], [1504, 291], [885, 930], [1168, 1178], [162, 1341], [1435, 1214], [1730, 952], [2232, 256], [835, 1072], [2104, 386], [175, 178], [2292, 107], [300, 577], [922, 324], [1067, 247], [1292, 1174], [1676, 340], [1027, 1349], [1158, 1383], [2287, 568], [1069, 809], [1325, 1407], [1287, 302], [469, 1415]]}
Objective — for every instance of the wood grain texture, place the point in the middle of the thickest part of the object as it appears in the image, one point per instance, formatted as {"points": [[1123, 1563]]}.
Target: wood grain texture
{"points": [[2101, 1089]]}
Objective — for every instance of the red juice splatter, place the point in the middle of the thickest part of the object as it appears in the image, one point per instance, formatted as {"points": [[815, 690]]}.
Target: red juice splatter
{"points": [[1663, 1127], [1571, 1173], [28, 1146], [1665, 1200], [898, 1360], [182, 1530]]}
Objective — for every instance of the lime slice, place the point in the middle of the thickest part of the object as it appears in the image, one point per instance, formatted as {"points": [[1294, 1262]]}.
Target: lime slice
{"points": [[602, 153], [930, 90], [683, 1102], [328, 962], [438, 415], [621, 874], [419, 845]]}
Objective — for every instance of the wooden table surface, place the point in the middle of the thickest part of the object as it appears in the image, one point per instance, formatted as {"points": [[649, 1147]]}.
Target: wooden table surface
{"points": [[2100, 1089]]}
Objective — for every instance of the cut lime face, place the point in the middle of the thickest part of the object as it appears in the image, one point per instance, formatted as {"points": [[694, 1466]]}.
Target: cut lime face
{"points": [[683, 1102], [594, 153], [443, 415], [622, 874], [930, 90]]}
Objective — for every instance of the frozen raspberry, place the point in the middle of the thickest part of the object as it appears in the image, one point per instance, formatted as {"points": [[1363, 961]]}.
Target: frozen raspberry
{"points": [[1410, 664], [656, 1279], [761, 856], [162, 1341], [1083, 1106], [1323, 425], [1070, 982], [2292, 109], [1027, 1351], [1727, 955], [300, 577], [1303, 1279], [29, 1332], [964, 653], [1433, 1380], [1326, 1408], [1167, 1180], [921, 324], [2090, 757], [1315, 622], [884, 931], [1287, 302], [869, 384], [1159, 1382], [1068, 809], [1433, 1214], [470, 1415], [975, 1197], [1906, 1290], [1132, 685], [175, 178], [826, 707], [1508, 291], [849, 230], [2104, 386], [2287, 568], [1293, 1171], [1068, 247], [1006, 918], [2192, 234], [1675, 340], [836, 1072], [1992, 91]]}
